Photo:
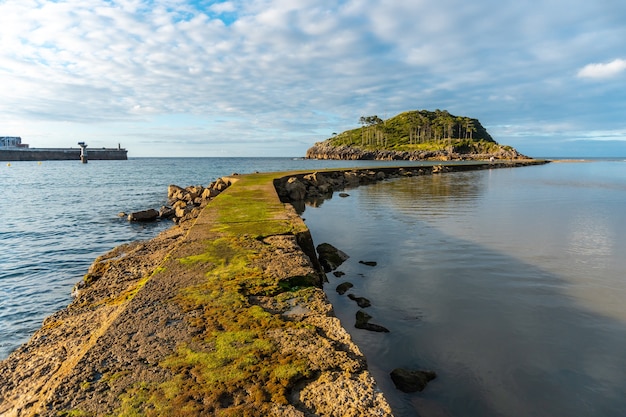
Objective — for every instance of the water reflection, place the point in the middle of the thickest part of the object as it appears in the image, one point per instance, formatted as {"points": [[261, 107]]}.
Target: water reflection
{"points": [[505, 336]]}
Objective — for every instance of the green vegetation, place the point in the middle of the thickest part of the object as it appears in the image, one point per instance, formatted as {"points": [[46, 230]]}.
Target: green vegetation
{"points": [[74, 413], [232, 366], [418, 130]]}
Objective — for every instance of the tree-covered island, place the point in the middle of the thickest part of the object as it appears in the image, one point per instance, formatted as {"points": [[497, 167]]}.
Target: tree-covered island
{"points": [[414, 135]]}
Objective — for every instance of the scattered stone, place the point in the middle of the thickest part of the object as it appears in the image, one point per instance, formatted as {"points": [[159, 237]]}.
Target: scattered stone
{"points": [[143, 216], [411, 381], [330, 257], [368, 263], [344, 195], [174, 192], [184, 202], [360, 301], [362, 322], [166, 212], [339, 274], [342, 288]]}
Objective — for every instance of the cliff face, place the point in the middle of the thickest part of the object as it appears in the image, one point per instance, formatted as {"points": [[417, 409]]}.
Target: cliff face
{"points": [[328, 150]]}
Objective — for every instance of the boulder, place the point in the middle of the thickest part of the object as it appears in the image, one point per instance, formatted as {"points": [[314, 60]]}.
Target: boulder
{"points": [[166, 212], [209, 193], [343, 287], [330, 257], [362, 322], [368, 263], [220, 185], [411, 380], [181, 211], [143, 216], [179, 204], [316, 179], [296, 190], [360, 301], [174, 192], [194, 191]]}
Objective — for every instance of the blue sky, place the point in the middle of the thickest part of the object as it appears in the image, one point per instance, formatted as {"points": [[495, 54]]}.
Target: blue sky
{"points": [[271, 77]]}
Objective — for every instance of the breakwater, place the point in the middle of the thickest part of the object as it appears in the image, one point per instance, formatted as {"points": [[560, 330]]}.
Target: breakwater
{"points": [[221, 313], [62, 154]]}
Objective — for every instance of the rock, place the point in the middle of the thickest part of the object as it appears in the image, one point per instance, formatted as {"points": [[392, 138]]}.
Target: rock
{"points": [[411, 381], [166, 212], [362, 322], [182, 210], [344, 195], [295, 189], [174, 192], [330, 257], [210, 193], [342, 288], [143, 216], [339, 274], [368, 263], [194, 191], [316, 179], [360, 301], [325, 188], [220, 185], [121, 214]]}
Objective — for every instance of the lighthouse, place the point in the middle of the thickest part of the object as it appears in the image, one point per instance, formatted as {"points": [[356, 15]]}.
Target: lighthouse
{"points": [[83, 152]]}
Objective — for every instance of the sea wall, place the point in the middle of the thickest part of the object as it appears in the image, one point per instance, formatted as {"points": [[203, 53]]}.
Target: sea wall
{"points": [[223, 314], [61, 154]]}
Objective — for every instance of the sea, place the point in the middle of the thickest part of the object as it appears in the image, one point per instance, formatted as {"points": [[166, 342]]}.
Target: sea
{"points": [[509, 283]]}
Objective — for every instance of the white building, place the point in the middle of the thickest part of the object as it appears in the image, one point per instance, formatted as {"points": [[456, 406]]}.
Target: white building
{"points": [[12, 142]]}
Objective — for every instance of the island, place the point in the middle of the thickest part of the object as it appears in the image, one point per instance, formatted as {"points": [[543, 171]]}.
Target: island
{"points": [[412, 136]]}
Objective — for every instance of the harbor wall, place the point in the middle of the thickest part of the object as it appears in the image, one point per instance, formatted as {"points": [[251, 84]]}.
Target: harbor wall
{"points": [[61, 154]]}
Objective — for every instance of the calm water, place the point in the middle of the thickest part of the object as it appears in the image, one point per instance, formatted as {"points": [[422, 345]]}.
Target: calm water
{"points": [[58, 216], [510, 284]]}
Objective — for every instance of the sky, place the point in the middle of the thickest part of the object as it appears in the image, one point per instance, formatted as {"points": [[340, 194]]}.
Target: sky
{"points": [[271, 77]]}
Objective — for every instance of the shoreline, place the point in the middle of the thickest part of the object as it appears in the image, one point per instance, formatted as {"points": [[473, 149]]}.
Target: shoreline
{"points": [[151, 317]]}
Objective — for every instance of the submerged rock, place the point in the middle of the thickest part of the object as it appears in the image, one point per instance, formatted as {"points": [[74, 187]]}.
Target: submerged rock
{"points": [[143, 216], [342, 288], [362, 322], [411, 380], [360, 301], [368, 263], [330, 257]]}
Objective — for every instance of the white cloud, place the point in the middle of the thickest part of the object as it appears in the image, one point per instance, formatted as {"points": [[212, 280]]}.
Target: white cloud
{"points": [[603, 70], [225, 7], [292, 67]]}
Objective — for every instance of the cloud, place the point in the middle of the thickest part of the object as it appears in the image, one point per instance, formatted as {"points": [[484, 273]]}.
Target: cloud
{"points": [[278, 69], [603, 70]]}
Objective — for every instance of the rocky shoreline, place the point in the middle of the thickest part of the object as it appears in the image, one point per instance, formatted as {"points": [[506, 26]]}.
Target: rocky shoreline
{"points": [[221, 314], [324, 150]]}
